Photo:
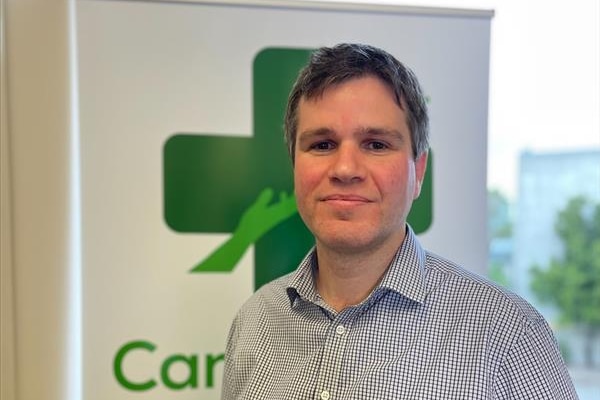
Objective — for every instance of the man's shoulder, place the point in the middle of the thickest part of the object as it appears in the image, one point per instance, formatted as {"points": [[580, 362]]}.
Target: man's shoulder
{"points": [[470, 289]]}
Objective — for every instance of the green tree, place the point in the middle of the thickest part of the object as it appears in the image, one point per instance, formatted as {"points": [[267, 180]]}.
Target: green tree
{"points": [[572, 282]]}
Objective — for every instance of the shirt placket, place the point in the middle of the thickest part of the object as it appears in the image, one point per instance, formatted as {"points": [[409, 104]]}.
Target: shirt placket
{"points": [[333, 353]]}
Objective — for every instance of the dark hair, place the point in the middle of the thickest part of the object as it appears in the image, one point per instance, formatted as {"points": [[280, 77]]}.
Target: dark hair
{"points": [[330, 66]]}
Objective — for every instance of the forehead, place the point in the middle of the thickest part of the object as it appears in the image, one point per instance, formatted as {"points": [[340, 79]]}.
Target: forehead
{"points": [[364, 100], [317, 91]]}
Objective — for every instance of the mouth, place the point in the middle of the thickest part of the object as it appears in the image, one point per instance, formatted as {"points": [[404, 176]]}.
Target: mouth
{"points": [[346, 199]]}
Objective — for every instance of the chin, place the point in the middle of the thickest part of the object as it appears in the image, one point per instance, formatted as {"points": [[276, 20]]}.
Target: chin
{"points": [[354, 238], [350, 241]]}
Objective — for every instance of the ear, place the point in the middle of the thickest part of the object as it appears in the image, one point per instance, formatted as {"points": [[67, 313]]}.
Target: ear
{"points": [[420, 169]]}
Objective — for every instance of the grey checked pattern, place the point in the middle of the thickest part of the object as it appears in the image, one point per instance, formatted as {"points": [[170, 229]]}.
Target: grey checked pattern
{"points": [[430, 330]]}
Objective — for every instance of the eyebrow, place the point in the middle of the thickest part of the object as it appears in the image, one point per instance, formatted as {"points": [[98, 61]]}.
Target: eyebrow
{"points": [[370, 131], [324, 131], [313, 134]]}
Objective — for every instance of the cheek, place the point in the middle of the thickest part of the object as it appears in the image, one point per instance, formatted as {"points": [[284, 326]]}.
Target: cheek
{"points": [[396, 189], [398, 183], [305, 180]]}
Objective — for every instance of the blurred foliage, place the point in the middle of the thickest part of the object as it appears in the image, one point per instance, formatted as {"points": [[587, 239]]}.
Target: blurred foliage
{"points": [[565, 350], [499, 236], [571, 283], [497, 274], [499, 223]]}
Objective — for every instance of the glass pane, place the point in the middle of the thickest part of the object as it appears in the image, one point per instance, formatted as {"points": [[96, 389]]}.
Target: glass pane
{"points": [[544, 170]]}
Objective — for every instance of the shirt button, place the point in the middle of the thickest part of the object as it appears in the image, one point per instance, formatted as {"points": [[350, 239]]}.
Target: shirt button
{"points": [[340, 330], [325, 395]]}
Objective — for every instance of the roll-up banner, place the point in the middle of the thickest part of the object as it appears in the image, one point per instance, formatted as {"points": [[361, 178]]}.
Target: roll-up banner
{"points": [[187, 196]]}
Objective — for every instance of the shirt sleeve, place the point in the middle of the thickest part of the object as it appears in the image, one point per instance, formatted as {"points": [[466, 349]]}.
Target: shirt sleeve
{"points": [[534, 368], [231, 384]]}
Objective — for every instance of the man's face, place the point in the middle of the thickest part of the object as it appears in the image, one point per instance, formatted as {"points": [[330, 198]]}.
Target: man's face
{"points": [[354, 173]]}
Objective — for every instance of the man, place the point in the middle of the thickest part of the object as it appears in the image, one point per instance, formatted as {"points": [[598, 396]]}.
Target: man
{"points": [[370, 314]]}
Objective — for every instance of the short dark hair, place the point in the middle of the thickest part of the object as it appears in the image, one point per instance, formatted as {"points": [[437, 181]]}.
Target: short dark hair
{"points": [[330, 66]]}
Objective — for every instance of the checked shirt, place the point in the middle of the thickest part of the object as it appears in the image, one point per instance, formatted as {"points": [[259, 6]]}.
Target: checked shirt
{"points": [[429, 330]]}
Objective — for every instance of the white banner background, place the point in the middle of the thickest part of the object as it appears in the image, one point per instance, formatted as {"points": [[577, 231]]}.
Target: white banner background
{"points": [[150, 69]]}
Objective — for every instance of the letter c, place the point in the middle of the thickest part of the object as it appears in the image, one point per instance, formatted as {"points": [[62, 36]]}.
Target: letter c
{"points": [[118, 366]]}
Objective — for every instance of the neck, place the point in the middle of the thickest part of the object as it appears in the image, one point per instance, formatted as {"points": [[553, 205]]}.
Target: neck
{"points": [[346, 278]]}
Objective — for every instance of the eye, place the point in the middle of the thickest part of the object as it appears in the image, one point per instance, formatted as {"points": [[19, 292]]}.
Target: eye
{"points": [[376, 145], [322, 146]]}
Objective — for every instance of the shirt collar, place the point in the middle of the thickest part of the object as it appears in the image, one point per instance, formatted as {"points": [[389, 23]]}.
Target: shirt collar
{"points": [[405, 276], [302, 283]]}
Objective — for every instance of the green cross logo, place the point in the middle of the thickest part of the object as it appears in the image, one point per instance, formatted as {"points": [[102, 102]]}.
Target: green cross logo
{"points": [[244, 185]]}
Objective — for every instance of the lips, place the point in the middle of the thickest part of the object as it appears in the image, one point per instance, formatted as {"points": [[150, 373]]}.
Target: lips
{"points": [[349, 198]]}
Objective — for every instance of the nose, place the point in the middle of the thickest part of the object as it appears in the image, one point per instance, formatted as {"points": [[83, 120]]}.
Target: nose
{"points": [[347, 166]]}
